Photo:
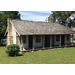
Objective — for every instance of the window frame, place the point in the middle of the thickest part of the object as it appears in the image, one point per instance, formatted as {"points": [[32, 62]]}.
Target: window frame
{"points": [[38, 39], [24, 39]]}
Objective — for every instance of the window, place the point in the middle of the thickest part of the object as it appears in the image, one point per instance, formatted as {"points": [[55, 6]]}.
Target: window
{"points": [[24, 39], [38, 38], [57, 37], [67, 37]]}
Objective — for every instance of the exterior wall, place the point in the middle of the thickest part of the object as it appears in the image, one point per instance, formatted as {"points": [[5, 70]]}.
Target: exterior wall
{"points": [[41, 43], [56, 42], [18, 40], [74, 38], [38, 44], [67, 42], [35, 44], [73, 35], [26, 45]]}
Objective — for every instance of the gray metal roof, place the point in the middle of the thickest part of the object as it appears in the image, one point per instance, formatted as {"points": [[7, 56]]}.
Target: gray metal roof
{"points": [[37, 28]]}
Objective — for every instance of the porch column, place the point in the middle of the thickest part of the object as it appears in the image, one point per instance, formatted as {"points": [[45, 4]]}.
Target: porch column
{"points": [[33, 42], [65, 40], [50, 41], [72, 39], [60, 42], [22, 43], [43, 41]]}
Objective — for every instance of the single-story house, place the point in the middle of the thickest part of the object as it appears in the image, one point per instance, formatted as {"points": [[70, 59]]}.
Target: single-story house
{"points": [[30, 35]]}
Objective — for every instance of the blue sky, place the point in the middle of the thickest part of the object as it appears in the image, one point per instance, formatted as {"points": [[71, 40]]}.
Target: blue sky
{"points": [[34, 15]]}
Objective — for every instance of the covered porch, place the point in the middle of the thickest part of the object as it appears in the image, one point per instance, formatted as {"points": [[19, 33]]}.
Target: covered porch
{"points": [[34, 42]]}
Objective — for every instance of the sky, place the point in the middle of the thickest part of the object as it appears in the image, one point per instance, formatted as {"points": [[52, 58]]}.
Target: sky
{"points": [[34, 15]]}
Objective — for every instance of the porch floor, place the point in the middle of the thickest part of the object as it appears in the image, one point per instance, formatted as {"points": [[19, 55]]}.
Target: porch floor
{"points": [[41, 48]]}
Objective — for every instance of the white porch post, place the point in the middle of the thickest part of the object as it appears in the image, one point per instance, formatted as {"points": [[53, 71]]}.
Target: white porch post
{"points": [[50, 41], [22, 43], [65, 40], [33, 42], [43, 41], [72, 39], [60, 42]]}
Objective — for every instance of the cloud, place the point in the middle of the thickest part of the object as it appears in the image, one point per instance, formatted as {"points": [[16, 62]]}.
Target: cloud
{"points": [[45, 12], [34, 15], [24, 13]]}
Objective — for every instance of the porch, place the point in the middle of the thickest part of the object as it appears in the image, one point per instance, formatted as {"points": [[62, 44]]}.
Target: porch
{"points": [[46, 48], [34, 42]]}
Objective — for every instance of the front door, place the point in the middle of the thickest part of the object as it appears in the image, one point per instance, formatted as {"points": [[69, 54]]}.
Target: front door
{"points": [[30, 41], [62, 39], [47, 40]]}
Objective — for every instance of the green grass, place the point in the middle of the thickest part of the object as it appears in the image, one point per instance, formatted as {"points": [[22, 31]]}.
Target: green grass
{"points": [[60, 56]]}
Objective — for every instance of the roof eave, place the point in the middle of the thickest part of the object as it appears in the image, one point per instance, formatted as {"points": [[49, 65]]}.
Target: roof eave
{"points": [[15, 29]]}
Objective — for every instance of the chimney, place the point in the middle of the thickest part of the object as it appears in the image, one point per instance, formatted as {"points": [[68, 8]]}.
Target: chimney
{"points": [[8, 19]]}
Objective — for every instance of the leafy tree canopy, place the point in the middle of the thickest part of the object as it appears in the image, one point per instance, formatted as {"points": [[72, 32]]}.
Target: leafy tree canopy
{"points": [[3, 20], [63, 17]]}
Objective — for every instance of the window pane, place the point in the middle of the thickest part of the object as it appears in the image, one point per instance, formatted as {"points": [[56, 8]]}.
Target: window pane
{"points": [[38, 38], [57, 37], [24, 39]]}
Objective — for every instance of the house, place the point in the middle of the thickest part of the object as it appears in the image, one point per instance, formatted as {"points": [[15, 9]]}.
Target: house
{"points": [[30, 35]]}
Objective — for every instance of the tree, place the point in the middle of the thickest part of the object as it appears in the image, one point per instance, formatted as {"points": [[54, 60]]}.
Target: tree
{"points": [[3, 20], [63, 17]]}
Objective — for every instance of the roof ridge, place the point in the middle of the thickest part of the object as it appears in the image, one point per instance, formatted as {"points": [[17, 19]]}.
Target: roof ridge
{"points": [[28, 20], [33, 21], [39, 22]]}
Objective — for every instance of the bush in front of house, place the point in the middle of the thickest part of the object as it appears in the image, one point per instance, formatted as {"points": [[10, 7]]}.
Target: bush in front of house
{"points": [[13, 49]]}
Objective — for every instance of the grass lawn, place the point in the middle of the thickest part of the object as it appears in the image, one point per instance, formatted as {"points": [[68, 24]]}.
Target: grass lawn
{"points": [[60, 56]]}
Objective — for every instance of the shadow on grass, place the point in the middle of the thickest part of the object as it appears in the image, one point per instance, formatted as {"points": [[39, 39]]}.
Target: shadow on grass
{"points": [[20, 55], [14, 56], [2, 45]]}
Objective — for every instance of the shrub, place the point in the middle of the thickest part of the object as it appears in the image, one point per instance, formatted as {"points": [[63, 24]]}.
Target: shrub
{"points": [[13, 49]]}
